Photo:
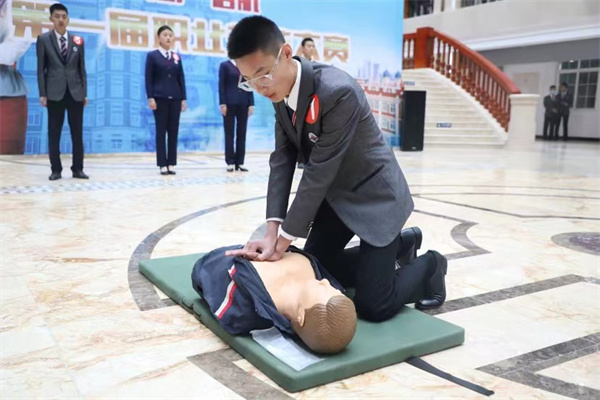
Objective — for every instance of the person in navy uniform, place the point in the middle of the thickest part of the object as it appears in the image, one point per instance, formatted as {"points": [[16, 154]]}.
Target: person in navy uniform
{"points": [[235, 104], [165, 87]]}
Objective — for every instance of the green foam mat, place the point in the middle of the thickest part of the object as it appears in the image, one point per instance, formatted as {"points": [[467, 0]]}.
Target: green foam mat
{"points": [[411, 333]]}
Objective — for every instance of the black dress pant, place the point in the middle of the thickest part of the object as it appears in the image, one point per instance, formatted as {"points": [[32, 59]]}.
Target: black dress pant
{"points": [[565, 120], [166, 116], [551, 122], [380, 289], [240, 113], [56, 119]]}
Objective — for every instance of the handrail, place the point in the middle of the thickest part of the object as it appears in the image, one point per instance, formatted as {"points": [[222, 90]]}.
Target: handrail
{"points": [[428, 48]]}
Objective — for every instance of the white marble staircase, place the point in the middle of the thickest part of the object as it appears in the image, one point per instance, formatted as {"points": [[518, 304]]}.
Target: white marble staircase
{"points": [[452, 116]]}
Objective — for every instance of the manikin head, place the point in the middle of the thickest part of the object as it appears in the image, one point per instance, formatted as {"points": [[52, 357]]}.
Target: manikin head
{"points": [[564, 87], [165, 37], [326, 319], [308, 48], [553, 90], [263, 58], [59, 16]]}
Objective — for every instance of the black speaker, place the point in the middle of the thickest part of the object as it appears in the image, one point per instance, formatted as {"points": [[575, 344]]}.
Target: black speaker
{"points": [[412, 128]]}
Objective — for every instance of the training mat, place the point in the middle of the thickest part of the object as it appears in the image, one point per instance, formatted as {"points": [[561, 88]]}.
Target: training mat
{"points": [[411, 333]]}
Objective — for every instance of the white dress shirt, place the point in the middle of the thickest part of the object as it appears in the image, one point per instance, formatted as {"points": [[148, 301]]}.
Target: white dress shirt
{"points": [[292, 102], [58, 36], [165, 52]]}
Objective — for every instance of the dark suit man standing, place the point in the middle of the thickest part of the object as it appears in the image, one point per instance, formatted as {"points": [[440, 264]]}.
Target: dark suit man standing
{"points": [[62, 84], [308, 48], [235, 104], [551, 115], [351, 185], [565, 102]]}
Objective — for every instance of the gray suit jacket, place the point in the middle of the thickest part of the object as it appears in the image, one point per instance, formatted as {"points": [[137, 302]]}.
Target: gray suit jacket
{"points": [[56, 75], [348, 162]]}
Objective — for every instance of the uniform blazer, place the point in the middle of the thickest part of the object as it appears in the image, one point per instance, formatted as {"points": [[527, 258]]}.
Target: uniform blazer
{"points": [[54, 74], [348, 162], [565, 102], [229, 93], [550, 106], [164, 78]]}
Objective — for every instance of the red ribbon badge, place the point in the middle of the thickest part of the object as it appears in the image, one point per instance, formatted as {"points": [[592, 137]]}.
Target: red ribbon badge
{"points": [[78, 40], [313, 111]]}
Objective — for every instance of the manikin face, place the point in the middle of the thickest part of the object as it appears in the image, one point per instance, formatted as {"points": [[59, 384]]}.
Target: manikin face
{"points": [[60, 20], [165, 39], [308, 49], [281, 72], [315, 292]]}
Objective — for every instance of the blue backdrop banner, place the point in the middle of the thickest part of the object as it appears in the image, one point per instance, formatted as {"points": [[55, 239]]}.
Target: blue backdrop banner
{"points": [[362, 37]]}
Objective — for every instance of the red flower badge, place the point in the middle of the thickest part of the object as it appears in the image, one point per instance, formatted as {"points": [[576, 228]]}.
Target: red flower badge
{"points": [[78, 40], [176, 58], [313, 112]]}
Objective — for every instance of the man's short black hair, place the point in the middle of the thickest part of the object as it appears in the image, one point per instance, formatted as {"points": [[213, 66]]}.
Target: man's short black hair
{"points": [[565, 84], [58, 7], [552, 87], [252, 34], [306, 40], [163, 28]]}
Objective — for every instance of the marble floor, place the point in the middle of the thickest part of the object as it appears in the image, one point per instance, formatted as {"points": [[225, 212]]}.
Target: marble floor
{"points": [[521, 230]]}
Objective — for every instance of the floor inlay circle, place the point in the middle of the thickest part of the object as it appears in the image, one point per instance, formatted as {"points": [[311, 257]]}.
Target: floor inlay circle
{"points": [[584, 242]]}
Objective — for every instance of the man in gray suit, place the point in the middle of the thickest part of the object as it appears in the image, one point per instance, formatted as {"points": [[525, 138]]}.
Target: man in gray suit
{"points": [[63, 86], [351, 185]]}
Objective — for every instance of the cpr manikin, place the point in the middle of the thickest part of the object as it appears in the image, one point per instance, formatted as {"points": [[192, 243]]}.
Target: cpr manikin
{"points": [[294, 294]]}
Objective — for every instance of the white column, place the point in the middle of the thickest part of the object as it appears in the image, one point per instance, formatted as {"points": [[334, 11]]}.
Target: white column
{"points": [[455, 4], [437, 6], [522, 126]]}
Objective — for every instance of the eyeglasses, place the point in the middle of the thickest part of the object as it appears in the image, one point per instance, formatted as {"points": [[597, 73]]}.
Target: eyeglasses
{"points": [[262, 81]]}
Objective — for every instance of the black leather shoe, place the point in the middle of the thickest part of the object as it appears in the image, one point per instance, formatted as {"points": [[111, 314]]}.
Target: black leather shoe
{"points": [[80, 175], [411, 242], [55, 176], [436, 285], [241, 168], [170, 172]]}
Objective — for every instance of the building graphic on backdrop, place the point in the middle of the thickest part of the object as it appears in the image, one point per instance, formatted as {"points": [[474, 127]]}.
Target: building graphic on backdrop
{"points": [[117, 118], [384, 94]]}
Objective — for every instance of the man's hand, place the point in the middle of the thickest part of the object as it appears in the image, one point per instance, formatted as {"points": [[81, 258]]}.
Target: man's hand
{"points": [[258, 250], [223, 109], [183, 105], [44, 101], [85, 102], [152, 104], [268, 248], [280, 248], [250, 110]]}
